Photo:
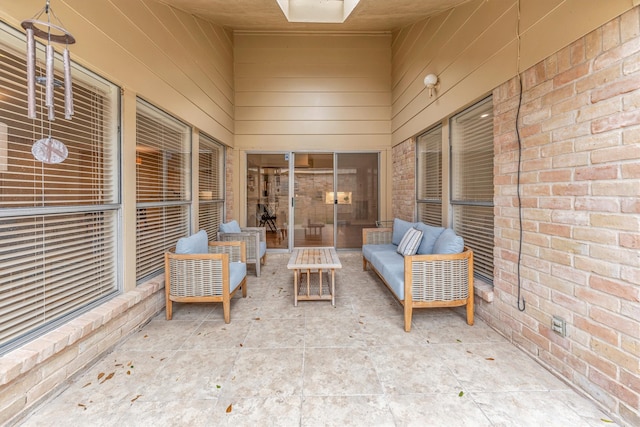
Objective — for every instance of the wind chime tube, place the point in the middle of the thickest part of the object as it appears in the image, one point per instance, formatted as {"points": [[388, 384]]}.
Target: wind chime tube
{"points": [[49, 76], [68, 92], [50, 81], [31, 74]]}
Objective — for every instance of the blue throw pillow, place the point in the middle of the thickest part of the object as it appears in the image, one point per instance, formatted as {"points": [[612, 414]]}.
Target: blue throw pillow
{"points": [[230, 227], [429, 236], [195, 244], [400, 228], [448, 243]]}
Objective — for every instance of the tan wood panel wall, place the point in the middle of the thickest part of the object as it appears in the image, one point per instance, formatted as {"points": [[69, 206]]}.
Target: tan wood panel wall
{"points": [[474, 48], [181, 64], [312, 91]]}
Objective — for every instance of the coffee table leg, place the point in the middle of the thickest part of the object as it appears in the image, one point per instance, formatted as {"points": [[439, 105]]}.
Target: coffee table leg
{"points": [[333, 287], [295, 287]]}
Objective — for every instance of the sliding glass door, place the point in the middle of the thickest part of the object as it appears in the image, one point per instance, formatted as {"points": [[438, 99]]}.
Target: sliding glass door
{"points": [[317, 199], [268, 196], [313, 211], [356, 198]]}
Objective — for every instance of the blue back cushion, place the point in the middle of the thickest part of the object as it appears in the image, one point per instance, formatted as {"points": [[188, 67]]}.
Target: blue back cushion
{"points": [[429, 236], [195, 244], [400, 228], [448, 243], [230, 227]]}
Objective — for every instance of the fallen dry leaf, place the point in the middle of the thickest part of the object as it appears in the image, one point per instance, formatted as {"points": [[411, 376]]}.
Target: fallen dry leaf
{"points": [[490, 358], [100, 375], [108, 377], [86, 385], [135, 398], [229, 408], [128, 372]]}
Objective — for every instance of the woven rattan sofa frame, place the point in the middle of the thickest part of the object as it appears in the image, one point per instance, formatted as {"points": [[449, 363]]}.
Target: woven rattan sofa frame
{"points": [[252, 236], [203, 277], [429, 280]]}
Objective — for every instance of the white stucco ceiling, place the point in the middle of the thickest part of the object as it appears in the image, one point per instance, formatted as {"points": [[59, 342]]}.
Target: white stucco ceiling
{"points": [[266, 15]]}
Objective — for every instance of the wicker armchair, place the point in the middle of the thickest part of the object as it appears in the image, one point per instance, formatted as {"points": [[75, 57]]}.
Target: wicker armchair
{"points": [[255, 239], [437, 280], [212, 277]]}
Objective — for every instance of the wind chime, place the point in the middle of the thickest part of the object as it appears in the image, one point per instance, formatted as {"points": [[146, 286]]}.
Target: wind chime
{"points": [[49, 149]]}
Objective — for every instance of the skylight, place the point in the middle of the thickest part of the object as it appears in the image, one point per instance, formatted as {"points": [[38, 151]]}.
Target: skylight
{"points": [[329, 11]]}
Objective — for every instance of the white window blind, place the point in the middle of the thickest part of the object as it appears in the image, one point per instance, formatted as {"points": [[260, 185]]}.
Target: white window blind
{"points": [[163, 176], [211, 185], [58, 222], [472, 182], [429, 176]]}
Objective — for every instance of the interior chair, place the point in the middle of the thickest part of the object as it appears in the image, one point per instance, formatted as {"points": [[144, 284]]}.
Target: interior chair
{"points": [[255, 239], [203, 271], [267, 218]]}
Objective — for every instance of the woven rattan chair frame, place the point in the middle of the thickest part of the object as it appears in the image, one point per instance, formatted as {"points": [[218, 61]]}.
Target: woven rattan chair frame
{"points": [[203, 277], [429, 280], [252, 236]]}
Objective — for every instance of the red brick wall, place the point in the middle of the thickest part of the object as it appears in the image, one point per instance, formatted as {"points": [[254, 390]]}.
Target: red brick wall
{"points": [[403, 188], [580, 181]]}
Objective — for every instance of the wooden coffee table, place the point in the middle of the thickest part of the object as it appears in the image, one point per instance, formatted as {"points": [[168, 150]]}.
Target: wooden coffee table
{"points": [[314, 260]]}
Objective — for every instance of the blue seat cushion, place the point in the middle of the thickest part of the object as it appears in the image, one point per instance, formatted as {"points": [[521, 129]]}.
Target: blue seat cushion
{"points": [[237, 272], [393, 273], [230, 227], [195, 244], [448, 243], [368, 250], [263, 249]]}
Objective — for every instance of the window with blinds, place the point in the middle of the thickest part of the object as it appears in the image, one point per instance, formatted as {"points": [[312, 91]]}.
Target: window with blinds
{"points": [[211, 185], [163, 186], [58, 222], [472, 182], [429, 176]]}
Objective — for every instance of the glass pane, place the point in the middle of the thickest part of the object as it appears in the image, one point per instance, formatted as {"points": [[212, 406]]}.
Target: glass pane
{"points": [[356, 199], [268, 196], [429, 152], [475, 225], [210, 186], [163, 186], [472, 154], [313, 204]]}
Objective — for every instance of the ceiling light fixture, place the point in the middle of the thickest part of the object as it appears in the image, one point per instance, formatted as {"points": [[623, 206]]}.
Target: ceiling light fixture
{"points": [[430, 81]]}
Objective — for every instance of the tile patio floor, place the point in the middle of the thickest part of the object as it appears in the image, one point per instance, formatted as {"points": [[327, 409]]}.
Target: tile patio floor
{"points": [[315, 365]]}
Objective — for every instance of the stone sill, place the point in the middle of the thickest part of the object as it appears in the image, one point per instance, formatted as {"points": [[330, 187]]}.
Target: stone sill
{"points": [[483, 290]]}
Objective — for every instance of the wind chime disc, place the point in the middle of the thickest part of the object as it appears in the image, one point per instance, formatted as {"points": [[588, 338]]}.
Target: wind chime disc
{"points": [[49, 150]]}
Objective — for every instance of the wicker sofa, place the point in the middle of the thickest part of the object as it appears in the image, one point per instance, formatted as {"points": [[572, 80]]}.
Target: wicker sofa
{"points": [[440, 274]]}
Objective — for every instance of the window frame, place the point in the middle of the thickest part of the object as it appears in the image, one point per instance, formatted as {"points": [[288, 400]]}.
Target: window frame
{"points": [[63, 251], [452, 204], [218, 194], [163, 207]]}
